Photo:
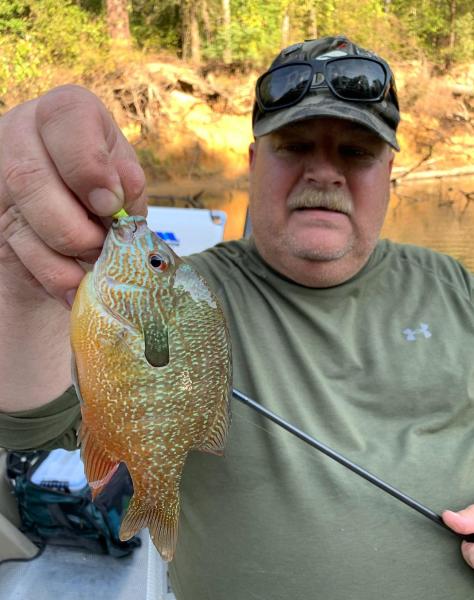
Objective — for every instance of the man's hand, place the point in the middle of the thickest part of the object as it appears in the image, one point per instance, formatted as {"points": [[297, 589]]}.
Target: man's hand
{"points": [[63, 164], [462, 522], [64, 168]]}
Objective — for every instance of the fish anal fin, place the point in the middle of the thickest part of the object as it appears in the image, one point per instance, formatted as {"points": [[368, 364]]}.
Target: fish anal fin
{"points": [[98, 465], [214, 442], [161, 522], [98, 485]]}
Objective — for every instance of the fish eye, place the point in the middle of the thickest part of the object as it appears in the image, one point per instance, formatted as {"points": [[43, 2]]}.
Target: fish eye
{"points": [[158, 262]]}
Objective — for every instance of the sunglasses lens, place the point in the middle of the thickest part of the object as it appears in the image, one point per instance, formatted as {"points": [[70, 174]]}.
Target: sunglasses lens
{"points": [[356, 78], [284, 86]]}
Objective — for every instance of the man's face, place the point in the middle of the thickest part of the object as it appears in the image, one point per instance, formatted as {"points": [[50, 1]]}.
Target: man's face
{"points": [[319, 191]]}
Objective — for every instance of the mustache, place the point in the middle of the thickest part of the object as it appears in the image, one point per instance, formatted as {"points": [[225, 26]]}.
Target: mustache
{"points": [[336, 199]]}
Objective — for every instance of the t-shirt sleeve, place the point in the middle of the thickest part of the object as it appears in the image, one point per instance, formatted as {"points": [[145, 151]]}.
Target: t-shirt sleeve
{"points": [[53, 425], [219, 263]]}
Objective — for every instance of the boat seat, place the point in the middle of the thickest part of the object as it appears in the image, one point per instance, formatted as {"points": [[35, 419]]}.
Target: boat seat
{"points": [[13, 543]]}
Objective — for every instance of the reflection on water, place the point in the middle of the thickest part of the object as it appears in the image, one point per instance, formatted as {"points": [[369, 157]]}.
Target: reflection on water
{"points": [[438, 214], [234, 203]]}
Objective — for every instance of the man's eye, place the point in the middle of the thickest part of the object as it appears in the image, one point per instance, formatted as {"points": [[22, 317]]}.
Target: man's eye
{"points": [[355, 151], [295, 147]]}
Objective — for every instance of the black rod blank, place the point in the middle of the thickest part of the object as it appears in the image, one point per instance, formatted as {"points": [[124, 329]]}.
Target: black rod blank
{"points": [[386, 487]]}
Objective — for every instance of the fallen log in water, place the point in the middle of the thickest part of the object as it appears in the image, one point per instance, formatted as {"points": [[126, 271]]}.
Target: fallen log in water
{"points": [[435, 174]]}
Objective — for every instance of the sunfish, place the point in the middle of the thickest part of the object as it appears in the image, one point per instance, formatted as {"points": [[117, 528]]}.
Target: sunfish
{"points": [[152, 368]]}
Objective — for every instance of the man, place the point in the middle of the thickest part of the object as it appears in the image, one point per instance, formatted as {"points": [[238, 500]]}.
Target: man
{"points": [[365, 344]]}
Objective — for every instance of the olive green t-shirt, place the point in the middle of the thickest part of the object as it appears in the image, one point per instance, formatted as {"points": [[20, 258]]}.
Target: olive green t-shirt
{"points": [[381, 368]]}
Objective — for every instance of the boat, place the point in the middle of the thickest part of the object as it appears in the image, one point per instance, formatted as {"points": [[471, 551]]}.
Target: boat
{"points": [[28, 570]]}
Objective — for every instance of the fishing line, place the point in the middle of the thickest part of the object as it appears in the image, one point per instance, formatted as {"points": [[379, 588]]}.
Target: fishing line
{"points": [[373, 479]]}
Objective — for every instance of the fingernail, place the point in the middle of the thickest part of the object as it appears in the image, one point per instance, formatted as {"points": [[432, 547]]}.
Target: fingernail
{"points": [[453, 515], [69, 296], [104, 202]]}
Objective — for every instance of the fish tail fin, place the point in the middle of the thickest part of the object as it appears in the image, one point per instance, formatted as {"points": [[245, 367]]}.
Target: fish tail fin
{"points": [[161, 522]]}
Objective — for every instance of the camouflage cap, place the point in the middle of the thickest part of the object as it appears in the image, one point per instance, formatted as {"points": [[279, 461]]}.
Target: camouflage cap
{"points": [[380, 117]]}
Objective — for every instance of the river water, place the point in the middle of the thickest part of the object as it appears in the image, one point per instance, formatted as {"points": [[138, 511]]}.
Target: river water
{"points": [[438, 214]]}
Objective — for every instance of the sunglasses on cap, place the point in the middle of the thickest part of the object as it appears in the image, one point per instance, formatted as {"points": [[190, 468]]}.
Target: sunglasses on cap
{"points": [[355, 79]]}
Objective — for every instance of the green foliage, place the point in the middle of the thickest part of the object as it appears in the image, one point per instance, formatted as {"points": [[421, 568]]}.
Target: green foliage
{"points": [[93, 6], [464, 48], [13, 16], [156, 27], [255, 30], [38, 34], [396, 28], [432, 23]]}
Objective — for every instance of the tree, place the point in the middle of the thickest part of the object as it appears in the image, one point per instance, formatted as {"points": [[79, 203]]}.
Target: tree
{"points": [[452, 25], [443, 28], [312, 23], [118, 22], [227, 53], [37, 36], [191, 41], [285, 29]]}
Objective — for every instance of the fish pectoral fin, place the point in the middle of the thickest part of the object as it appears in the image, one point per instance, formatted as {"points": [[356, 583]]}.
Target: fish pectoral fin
{"points": [[98, 466], [157, 351], [161, 522], [214, 442], [75, 377]]}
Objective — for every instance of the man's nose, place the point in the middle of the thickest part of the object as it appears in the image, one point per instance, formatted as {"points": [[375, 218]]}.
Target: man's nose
{"points": [[321, 169]]}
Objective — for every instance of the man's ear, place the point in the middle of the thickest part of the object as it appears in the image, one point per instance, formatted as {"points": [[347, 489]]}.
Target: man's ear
{"points": [[390, 163], [252, 153]]}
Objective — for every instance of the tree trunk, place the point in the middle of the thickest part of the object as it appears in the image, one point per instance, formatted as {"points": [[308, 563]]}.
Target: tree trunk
{"points": [[456, 172], [227, 54], [452, 25], [195, 39], [285, 29], [117, 22], [313, 23], [206, 22], [191, 45]]}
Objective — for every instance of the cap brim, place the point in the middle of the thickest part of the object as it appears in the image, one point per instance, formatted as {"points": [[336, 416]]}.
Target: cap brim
{"points": [[323, 105]]}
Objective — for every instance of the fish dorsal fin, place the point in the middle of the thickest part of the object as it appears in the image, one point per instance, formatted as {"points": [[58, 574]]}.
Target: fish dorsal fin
{"points": [[157, 351]]}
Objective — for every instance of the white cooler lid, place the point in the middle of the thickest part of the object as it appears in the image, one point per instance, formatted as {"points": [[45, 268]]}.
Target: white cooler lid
{"points": [[61, 466], [187, 230]]}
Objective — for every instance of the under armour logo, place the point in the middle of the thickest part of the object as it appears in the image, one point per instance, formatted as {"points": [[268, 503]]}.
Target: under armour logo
{"points": [[410, 334]]}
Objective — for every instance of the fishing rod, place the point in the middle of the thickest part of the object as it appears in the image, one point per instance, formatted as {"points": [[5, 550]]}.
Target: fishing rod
{"points": [[373, 479], [386, 487]]}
